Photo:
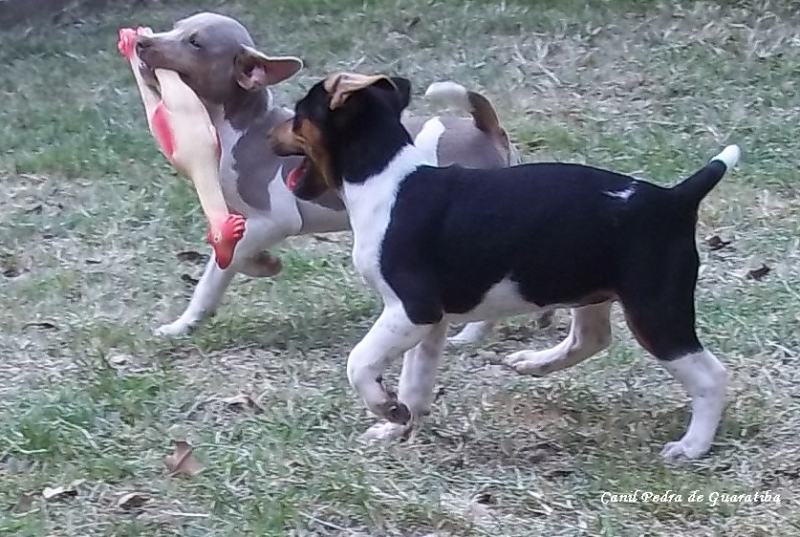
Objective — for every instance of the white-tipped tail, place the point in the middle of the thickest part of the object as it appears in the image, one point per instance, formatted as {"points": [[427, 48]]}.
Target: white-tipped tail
{"points": [[729, 156], [449, 93]]}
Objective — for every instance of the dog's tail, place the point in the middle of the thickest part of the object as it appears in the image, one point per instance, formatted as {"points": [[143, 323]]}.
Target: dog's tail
{"points": [[479, 107], [454, 94], [697, 187]]}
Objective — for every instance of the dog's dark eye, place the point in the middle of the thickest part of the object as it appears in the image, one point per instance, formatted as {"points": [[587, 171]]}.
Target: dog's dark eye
{"points": [[194, 42]]}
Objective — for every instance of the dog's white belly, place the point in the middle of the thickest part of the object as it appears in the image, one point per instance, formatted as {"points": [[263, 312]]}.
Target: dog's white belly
{"points": [[502, 300], [320, 219]]}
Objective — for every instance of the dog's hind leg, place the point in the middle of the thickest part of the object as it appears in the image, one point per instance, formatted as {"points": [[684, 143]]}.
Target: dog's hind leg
{"points": [[589, 333], [472, 333], [417, 378], [665, 328], [476, 331]]}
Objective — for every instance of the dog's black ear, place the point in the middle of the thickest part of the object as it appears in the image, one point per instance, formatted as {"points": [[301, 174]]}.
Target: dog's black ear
{"points": [[402, 91], [255, 71]]}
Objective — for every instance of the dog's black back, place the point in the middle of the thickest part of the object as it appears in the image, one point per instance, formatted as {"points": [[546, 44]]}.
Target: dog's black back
{"points": [[568, 234]]}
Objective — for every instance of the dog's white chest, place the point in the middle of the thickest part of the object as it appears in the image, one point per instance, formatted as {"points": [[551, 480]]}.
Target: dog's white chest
{"points": [[369, 207], [369, 221]]}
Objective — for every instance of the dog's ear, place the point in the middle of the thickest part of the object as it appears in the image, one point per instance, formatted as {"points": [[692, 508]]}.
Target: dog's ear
{"points": [[256, 71], [341, 85], [402, 92]]}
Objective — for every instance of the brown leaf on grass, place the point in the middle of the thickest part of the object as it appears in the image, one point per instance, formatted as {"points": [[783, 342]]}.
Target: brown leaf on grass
{"points": [[46, 325], [242, 401], [12, 272], [191, 256], [25, 502], [715, 243], [182, 461], [323, 238], [132, 500], [484, 498], [63, 492], [188, 279], [759, 273], [118, 360]]}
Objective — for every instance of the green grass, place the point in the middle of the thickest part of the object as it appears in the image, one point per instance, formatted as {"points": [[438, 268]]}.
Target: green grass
{"points": [[93, 218]]}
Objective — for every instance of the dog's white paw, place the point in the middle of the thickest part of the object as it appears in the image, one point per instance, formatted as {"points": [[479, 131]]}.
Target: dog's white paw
{"points": [[384, 432], [531, 363], [177, 328], [458, 341], [470, 334], [675, 451]]}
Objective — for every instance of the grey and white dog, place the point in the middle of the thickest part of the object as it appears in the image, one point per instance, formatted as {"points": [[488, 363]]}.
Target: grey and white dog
{"points": [[217, 57]]}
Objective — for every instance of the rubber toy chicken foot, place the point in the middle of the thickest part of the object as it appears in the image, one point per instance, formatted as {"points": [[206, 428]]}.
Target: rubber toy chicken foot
{"points": [[180, 124]]}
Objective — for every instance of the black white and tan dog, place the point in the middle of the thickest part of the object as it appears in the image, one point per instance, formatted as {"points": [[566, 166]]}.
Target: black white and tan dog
{"points": [[446, 244]]}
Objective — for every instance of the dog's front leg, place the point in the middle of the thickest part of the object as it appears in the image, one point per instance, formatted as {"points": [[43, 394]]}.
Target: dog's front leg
{"points": [[417, 379], [249, 257], [391, 335], [205, 300]]}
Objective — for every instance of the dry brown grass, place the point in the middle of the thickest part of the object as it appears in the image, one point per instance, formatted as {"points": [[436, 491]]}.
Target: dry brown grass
{"points": [[93, 218]]}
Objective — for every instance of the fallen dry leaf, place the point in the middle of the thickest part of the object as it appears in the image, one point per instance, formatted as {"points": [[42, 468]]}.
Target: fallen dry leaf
{"points": [[12, 272], [192, 257], [759, 273], [241, 402], [118, 360], [484, 498], [715, 243], [132, 500], [182, 461], [63, 492], [188, 279], [25, 502], [40, 324], [323, 238]]}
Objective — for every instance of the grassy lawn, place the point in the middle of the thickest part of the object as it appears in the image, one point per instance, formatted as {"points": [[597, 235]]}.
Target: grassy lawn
{"points": [[93, 218]]}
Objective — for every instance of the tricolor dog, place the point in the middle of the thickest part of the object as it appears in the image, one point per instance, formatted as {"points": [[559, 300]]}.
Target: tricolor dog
{"points": [[451, 244], [216, 56]]}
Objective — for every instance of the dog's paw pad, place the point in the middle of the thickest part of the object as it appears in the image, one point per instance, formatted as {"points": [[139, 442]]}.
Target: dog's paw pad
{"points": [[677, 451], [527, 363], [457, 341], [384, 432], [172, 329]]}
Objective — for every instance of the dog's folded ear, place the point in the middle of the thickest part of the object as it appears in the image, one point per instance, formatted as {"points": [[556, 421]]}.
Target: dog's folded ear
{"points": [[402, 92], [255, 71], [341, 85]]}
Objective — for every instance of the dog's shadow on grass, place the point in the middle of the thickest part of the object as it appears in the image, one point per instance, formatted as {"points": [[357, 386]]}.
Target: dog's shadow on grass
{"points": [[555, 431]]}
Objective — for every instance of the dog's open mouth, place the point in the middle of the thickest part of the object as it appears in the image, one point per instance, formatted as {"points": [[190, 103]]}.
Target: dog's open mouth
{"points": [[297, 173]]}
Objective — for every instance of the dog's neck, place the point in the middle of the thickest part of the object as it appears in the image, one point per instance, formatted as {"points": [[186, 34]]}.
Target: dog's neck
{"points": [[374, 195], [245, 107], [368, 147]]}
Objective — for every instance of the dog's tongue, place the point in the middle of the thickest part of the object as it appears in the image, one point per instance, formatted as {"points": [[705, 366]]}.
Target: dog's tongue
{"points": [[294, 176]]}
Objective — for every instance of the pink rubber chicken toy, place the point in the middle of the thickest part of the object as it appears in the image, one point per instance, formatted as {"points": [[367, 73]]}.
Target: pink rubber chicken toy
{"points": [[185, 134]]}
